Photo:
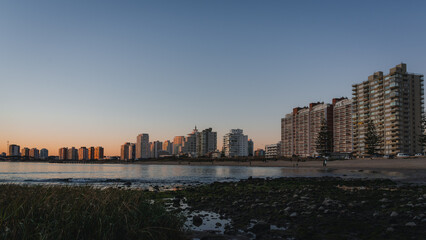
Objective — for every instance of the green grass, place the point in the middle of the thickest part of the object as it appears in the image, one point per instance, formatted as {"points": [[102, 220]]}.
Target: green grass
{"points": [[61, 212]]}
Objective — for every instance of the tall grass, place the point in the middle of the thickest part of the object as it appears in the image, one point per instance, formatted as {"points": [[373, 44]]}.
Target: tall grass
{"points": [[63, 212]]}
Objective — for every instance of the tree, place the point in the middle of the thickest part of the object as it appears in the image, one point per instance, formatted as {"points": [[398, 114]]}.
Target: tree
{"points": [[422, 136], [324, 142], [372, 139]]}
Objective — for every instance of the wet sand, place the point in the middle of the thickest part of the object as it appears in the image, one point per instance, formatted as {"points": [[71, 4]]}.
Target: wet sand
{"points": [[412, 170], [370, 164]]}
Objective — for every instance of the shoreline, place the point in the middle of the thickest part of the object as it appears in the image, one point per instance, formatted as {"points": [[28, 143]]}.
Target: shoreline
{"points": [[369, 164]]}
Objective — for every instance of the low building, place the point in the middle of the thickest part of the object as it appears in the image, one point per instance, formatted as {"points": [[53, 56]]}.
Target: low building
{"points": [[273, 150], [259, 153]]}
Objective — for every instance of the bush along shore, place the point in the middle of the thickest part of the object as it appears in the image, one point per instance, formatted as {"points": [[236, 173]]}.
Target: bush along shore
{"points": [[284, 208]]}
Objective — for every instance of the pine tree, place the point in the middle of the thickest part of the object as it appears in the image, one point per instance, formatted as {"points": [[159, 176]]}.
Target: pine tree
{"points": [[324, 142], [372, 140]]}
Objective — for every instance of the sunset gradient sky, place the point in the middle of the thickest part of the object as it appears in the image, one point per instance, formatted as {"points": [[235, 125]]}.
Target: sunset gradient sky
{"points": [[90, 73]]}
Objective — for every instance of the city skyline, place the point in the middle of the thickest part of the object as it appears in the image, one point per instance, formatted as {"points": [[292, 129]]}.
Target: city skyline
{"points": [[98, 74]]}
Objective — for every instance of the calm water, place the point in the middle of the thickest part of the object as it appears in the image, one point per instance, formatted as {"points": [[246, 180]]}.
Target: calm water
{"points": [[148, 176]]}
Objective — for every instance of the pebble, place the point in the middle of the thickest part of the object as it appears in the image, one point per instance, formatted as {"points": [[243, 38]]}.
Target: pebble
{"points": [[394, 214], [389, 229], [293, 214], [410, 224]]}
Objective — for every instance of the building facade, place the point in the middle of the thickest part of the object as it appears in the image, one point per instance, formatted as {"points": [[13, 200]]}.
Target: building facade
{"points": [[342, 125], [155, 148], [299, 130], [34, 153], [142, 146], [178, 143], [44, 153], [99, 153], [25, 152], [235, 144], [83, 153], [394, 103], [91, 153], [190, 145], [250, 147], [273, 150], [14, 150], [125, 152], [72, 154], [63, 153], [206, 142], [168, 147]]}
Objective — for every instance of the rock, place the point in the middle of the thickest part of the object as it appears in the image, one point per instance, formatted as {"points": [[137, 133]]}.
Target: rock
{"points": [[389, 229], [293, 214], [394, 214], [325, 211], [375, 214], [384, 200], [260, 227], [218, 224], [321, 208], [410, 224], [197, 221], [287, 209]]}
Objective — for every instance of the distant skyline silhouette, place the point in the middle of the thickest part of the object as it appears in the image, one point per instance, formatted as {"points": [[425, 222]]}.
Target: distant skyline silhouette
{"points": [[98, 73]]}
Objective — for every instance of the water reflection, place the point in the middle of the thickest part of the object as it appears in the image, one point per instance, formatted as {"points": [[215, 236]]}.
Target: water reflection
{"points": [[142, 175]]}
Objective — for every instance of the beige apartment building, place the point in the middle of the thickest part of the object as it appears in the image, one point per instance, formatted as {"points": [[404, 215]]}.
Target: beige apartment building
{"points": [[394, 103], [299, 130], [342, 125]]}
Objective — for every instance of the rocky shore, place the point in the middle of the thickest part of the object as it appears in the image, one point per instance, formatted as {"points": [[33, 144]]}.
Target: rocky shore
{"points": [[311, 208]]}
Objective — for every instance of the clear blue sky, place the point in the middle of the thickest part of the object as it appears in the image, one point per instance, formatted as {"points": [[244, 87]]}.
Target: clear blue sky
{"points": [[81, 73]]}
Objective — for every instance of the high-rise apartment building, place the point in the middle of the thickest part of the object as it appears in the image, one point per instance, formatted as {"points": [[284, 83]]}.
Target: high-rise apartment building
{"points": [[394, 103], [25, 152], [91, 153], [168, 146], [132, 151], [63, 153], [235, 144], [125, 150], [178, 143], [250, 148], [72, 154], [155, 148], [34, 153], [190, 145], [44, 153], [142, 146], [299, 130], [342, 125], [206, 142], [14, 150], [83, 153], [99, 153]]}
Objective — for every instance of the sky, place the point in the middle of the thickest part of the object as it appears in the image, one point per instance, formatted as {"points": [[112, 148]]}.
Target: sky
{"points": [[98, 73]]}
